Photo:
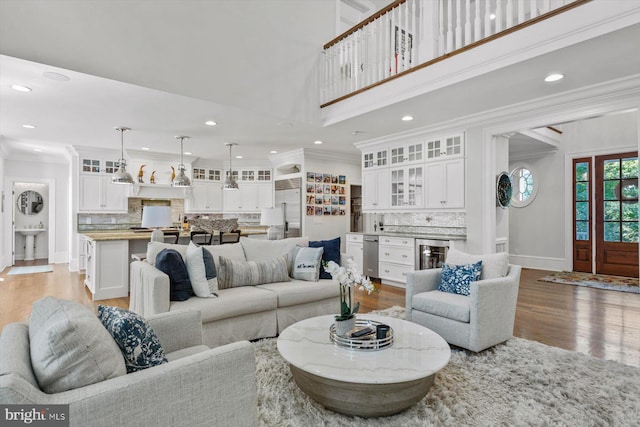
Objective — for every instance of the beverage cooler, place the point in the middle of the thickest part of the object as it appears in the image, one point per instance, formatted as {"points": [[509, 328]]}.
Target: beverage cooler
{"points": [[430, 253]]}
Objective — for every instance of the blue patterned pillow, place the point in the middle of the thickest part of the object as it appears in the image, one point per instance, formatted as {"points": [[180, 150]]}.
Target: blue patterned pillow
{"points": [[457, 279], [140, 346]]}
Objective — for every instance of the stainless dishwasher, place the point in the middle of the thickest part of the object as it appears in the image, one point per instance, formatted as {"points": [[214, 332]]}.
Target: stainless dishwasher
{"points": [[370, 256]]}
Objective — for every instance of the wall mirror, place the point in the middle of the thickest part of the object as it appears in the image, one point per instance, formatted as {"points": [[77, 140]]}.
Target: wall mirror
{"points": [[30, 202]]}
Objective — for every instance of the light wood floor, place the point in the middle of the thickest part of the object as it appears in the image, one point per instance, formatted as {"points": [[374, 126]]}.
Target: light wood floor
{"points": [[601, 323]]}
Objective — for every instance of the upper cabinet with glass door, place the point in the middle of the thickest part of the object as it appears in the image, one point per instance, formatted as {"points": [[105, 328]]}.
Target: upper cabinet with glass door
{"points": [[375, 159], [445, 147], [407, 153]]}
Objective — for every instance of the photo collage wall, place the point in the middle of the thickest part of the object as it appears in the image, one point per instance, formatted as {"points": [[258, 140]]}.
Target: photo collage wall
{"points": [[326, 194]]}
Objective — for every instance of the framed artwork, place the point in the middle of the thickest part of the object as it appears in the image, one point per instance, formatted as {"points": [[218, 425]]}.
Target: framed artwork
{"points": [[326, 210], [327, 188], [342, 179], [318, 188], [326, 178], [342, 200], [318, 199], [310, 210], [334, 189], [326, 200], [318, 211], [311, 199], [402, 43], [504, 190], [311, 177], [335, 211], [311, 188]]}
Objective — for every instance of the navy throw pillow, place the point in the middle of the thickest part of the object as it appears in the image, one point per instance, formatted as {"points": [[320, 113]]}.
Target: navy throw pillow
{"points": [[331, 253], [138, 342], [456, 279], [170, 262]]}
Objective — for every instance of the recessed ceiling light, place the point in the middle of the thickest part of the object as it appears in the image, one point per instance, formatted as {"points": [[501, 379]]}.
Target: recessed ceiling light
{"points": [[407, 118], [492, 16], [37, 150], [56, 76], [210, 123], [21, 88], [273, 152], [317, 142], [29, 126], [554, 77], [188, 153], [238, 157], [145, 148]]}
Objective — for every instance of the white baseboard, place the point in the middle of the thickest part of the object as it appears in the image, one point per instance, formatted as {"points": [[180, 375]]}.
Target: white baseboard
{"points": [[538, 263], [60, 258]]}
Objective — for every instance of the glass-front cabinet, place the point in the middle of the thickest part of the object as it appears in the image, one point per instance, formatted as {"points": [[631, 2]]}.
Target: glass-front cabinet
{"points": [[407, 153], [407, 187], [375, 159], [445, 146]]}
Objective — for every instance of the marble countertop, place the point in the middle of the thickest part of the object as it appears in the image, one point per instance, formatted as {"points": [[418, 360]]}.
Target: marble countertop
{"points": [[146, 235], [416, 353], [432, 236]]}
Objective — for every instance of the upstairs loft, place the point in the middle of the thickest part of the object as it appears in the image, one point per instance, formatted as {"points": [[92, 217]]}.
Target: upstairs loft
{"points": [[456, 58]]}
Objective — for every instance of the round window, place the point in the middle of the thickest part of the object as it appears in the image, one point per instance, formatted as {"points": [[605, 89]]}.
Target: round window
{"points": [[525, 186]]}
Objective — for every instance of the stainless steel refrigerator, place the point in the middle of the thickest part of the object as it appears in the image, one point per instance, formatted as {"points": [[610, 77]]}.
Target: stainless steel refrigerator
{"points": [[288, 197]]}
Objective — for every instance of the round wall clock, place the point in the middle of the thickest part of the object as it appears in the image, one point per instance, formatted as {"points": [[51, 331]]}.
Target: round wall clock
{"points": [[504, 189]]}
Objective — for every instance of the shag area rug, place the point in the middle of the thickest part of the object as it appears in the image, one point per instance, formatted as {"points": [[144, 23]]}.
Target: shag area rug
{"points": [[600, 281], [519, 383]]}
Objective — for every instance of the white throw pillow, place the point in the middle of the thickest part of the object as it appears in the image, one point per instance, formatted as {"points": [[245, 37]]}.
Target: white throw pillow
{"points": [[262, 250], [202, 271], [70, 348], [493, 265], [306, 265]]}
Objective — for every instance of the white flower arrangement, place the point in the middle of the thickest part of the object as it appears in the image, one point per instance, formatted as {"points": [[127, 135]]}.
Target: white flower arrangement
{"points": [[348, 278]]}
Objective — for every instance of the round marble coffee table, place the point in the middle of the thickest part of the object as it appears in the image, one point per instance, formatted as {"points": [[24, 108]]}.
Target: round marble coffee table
{"points": [[364, 383]]}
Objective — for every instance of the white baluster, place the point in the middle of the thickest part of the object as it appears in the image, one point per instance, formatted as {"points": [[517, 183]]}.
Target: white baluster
{"points": [[468, 38], [401, 40], [415, 42], [487, 18], [441, 45], [546, 6], [477, 23], [388, 50], [533, 9], [449, 26], [498, 18], [458, 25], [520, 11], [509, 14]]}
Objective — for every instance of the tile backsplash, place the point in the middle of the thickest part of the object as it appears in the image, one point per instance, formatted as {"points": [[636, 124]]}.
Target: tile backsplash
{"points": [[418, 222]]}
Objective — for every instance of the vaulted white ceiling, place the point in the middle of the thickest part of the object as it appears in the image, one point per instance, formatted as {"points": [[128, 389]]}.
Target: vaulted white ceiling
{"points": [[252, 66]]}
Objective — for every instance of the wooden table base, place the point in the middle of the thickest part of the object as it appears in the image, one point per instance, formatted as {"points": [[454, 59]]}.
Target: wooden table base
{"points": [[363, 400]]}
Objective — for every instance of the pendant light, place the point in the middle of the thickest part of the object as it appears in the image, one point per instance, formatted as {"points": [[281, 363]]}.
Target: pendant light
{"points": [[121, 176], [181, 180], [230, 182]]}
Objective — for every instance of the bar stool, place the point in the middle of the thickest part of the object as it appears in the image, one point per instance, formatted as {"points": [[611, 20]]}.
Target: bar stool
{"points": [[205, 241], [230, 237]]}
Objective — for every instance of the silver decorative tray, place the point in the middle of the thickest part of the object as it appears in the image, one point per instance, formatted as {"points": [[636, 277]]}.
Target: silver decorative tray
{"points": [[365, 343]]}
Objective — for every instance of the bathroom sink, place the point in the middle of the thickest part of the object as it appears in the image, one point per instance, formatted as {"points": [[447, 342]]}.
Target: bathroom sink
{"points": [[30, 231]]}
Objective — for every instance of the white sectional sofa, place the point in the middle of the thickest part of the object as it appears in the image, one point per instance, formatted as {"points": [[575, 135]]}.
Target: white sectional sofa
{"points": [[238, 313]]}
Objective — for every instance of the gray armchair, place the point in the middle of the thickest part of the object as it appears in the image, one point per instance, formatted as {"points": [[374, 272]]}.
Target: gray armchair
{"points": [[475, 322], [199, 386]]}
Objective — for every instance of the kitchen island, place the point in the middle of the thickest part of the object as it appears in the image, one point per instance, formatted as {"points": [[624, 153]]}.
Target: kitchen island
{"points": [[109, 253]]}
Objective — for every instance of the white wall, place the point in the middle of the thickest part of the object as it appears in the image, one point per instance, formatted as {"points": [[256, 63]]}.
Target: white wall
{"points": [[57, 173], [540, 233], [329, 227]]}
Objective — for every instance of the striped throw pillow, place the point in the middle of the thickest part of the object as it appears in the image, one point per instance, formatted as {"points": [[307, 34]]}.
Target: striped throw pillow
{"points": [[246, 273]]}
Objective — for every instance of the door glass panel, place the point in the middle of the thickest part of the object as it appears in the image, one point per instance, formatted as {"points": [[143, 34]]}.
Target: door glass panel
{"points": [[611, 231], [630, 232], [629, 211], [612, 211], [629, 189], [611, 189], [582, 230], [582, 211], [612, 169], [582, 171], [630, 168], [582, 190]]}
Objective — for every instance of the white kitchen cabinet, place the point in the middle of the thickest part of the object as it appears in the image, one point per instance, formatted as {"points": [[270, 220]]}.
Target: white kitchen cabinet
{"points": [[375, 159], [407, 153], [445, 184], [450, 146], [355, 249], [204, 197], [396, 259], [407, 187], [107, 269], [375, 189], [248, 198], [98, 194]]}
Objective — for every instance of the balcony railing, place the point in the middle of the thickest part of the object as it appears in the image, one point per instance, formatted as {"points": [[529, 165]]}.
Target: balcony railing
{"points": [[412, 34]]}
